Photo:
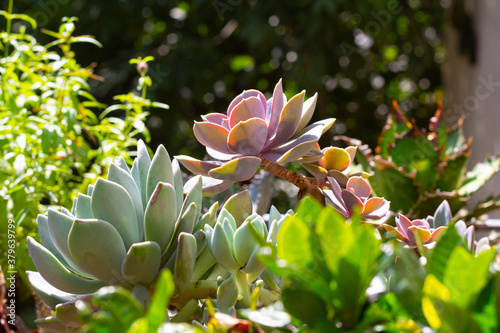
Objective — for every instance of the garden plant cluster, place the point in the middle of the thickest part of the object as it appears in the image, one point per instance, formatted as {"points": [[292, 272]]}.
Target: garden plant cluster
{"points": [[112, 238]]}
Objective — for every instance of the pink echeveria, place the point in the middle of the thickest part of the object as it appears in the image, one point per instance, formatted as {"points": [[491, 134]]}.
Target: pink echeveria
{"points": [[254, 129], [355, 197], [407, 230]]}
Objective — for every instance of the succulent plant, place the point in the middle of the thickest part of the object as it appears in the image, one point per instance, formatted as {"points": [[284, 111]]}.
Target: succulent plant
{"points": [[253, 130], [469, 236], [334, 163], [355, 197], [407, 231], [123, 232], [416, 169], [235, 240]]}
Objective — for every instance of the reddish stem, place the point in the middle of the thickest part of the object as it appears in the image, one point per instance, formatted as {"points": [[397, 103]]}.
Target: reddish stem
{"points": [[305, 185]]}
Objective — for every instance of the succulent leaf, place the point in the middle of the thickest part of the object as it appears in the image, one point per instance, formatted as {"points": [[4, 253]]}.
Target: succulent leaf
{"points": [[56, 274], [239, 205], [185, 261], [161, 215], [83, 208], [49, 295], [98, 248], [160, 170], [112, 203], [141, 263]]}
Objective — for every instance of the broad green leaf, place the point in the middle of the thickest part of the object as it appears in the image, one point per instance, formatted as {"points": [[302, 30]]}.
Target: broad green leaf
{"points": [[293, 241], [466, 275], [441, 253]]}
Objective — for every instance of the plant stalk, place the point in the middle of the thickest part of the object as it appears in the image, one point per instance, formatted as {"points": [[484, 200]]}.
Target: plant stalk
{"points": [[243, 287], [305, 185]]}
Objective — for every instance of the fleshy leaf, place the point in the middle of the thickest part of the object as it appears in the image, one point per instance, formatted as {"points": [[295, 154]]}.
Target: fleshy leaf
{"points": [[336, 158], [239, 206], [248, 108], [239, 169], [196, 166], [289, 119], [98, 248], [56, 274], [212, 135], [141, 263], [112, 203], [160, 170], [161, 215], [248, 137]]}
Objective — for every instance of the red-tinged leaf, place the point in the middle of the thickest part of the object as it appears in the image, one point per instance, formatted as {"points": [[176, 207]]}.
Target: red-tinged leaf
{"points": [[247, 109], [212, 135], [248, 137]]}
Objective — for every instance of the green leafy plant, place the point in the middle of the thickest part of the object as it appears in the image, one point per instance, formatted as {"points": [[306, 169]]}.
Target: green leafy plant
{"points": [[429, 165]]}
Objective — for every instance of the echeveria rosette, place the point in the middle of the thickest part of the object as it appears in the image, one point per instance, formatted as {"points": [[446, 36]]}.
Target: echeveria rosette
{"points": [[355, 198], [122, 232], [335, 162], [235, 248], [254, 129], [407, 230], [469, 236]]}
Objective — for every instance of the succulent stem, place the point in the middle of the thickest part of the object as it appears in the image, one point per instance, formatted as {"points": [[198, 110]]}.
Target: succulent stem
{"points": [[199, 290], [305, 185], [243, 287], [204, 262]]}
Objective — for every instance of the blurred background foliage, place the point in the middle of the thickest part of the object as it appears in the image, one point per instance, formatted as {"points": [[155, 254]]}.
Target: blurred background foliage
{"points": [[358, 55]]}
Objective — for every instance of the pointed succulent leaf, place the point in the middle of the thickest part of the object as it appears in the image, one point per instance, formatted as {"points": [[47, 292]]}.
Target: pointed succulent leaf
{"points": [[178, 184], [125, 179], [160, 170], [443, 215], [307, 112], [289, 119], [212, 135], [112, 203], [224, 214], [351, 201], [185, 260], [193, 195], [196, 166], [239, 205], [248, 108], [123, 164], [161, 215], [423, 234], [239, 169], [316, 170], [248, 137], [276, 107], [67, 314], [59, 227], [141, 263], [140, 170], [98, 248], [227, 294], [253, 265], [244, 243], [219, 247], [51, 324], [209, 217], [56, 274], [90, 189], [83, 209], [49, 295], [185, 224], [43, 230], [201, 241]]}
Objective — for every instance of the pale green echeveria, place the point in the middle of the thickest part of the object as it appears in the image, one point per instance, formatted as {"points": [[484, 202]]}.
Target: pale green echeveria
{"points": [[122, 232], [238, 234], [254, 129]]}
